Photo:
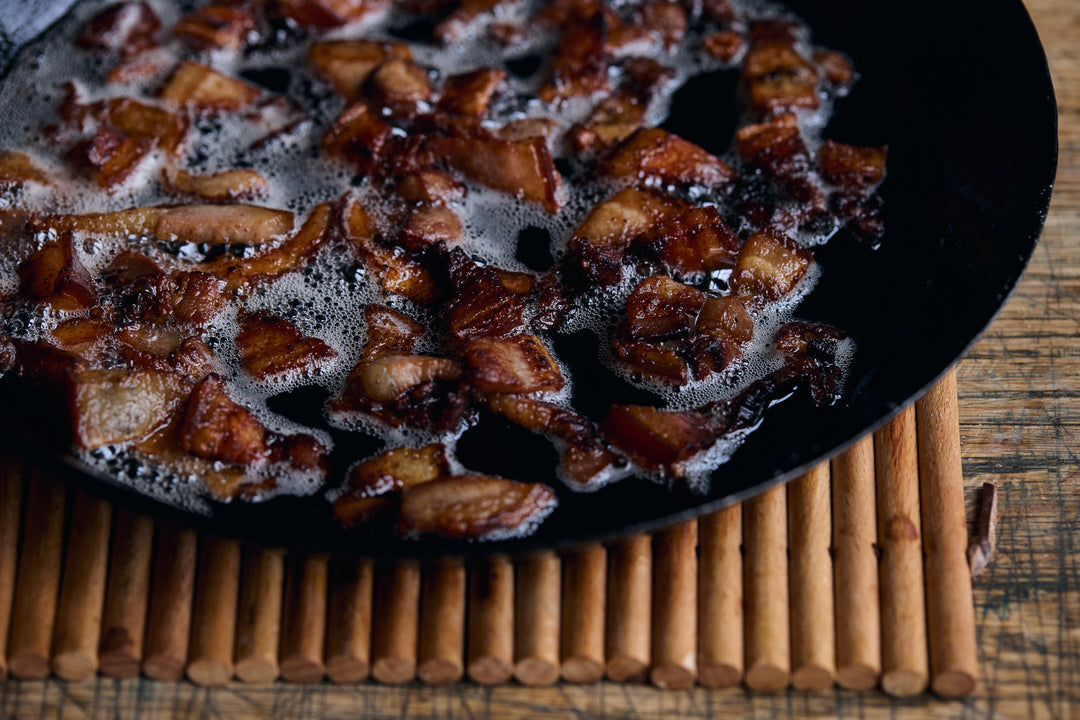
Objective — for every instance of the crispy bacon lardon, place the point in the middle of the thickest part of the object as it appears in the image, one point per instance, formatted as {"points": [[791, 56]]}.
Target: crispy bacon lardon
{"points": [[272, 348], [652, 153], [471, 506], [127, 28]]}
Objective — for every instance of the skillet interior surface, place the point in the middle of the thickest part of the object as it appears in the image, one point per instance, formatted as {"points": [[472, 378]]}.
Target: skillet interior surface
{"points": [[960, 92]]}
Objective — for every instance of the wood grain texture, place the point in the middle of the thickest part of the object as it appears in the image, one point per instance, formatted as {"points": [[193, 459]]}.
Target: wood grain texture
{"points": [[1019, 403]]}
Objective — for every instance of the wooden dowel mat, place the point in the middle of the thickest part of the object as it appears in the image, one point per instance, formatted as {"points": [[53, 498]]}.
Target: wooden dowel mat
{"points": [[829, 581]]}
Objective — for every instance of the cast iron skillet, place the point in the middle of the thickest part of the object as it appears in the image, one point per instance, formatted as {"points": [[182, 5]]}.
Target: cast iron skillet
{"points": [[960, 92]]}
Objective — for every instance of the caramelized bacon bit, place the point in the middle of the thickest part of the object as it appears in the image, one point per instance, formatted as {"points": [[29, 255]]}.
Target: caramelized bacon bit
{"points": [[218, 25], [579, 66], [81, 334], [522, 168], [777, 147], [528, 128], [219, 187], [481, 304], [472, 506], [399, 84], [519, 283], [719, 11], [520, 364], [128, 28], [659, 307], [656, 439], [195, 86], [388, 331], [325, 14], [346, 64], [851, 167], [471, 93], [430, 187], [114, 406], [689, 245], [776, 76], [55, 275], [358, 137], [725, 317], [390, 376], [272, 348], [666, 18], [610, 122], [661, 360], [429, 225], [457, 23], [836, 67], [223, 224], [139, 120], [17, 169], [769, 266], [614, 222], [112, 155], [652, 153], [398, 469], [216, 428], [723, 45]]}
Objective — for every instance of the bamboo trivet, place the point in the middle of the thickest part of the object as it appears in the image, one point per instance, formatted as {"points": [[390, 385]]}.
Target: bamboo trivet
{"points": [[786, 590]]}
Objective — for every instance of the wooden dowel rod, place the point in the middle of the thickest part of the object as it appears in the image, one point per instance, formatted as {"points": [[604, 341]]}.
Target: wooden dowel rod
{"points": [[304, 626], [903, 601], [765, 586], [538, 579], [629, 609], [491, 621], [11, 492], [442, 623], [123, 621], [582, 638], [394, 637], [348, 627], [720, 599], [949, 609], [855, 567], [813, 635], [674, 607], [82, 592], [38, 579], [168, 621], [258, 619], [213, 624]]}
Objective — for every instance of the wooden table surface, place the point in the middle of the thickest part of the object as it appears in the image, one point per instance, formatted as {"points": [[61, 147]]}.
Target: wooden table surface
{"points": [[1020, 427]]}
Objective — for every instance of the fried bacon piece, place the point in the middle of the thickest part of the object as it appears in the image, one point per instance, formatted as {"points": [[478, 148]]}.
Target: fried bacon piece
{"points": [[323, 14], [516, 365], [659, 360], [217, 25], [470, 93], [852, 168], [653, 153], [149, 346], [139, 120], [217, 428], [662, 441], [399, 84], [776, 76], [46, 367], [836, 68], [220, 187], [610, 122], [389, 376], [430, 187], [667, 18], [375, 485], [127, 28], [198, 87], [82, 335], [659, 307], [457, 23], [777, 147], [388, 331], [272, 348], [55, 275], [346, 64], [689, 245], [770, 264], [146, 293], [472, 506], [580, 65], [719, 11], [223, 482], [583, 454], [17, 169], [399, 273], [420, 391], [521, 168], [358, 137], [723, 327], [429, 225], [108, 407], [723, 45], [111, 155], [481, 305]]}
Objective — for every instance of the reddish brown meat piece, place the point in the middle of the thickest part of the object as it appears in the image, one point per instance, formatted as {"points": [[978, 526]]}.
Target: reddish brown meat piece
{"points": [[579, 66], [220, 187], [430, 187], [471, 93], [272, 348], [851, 167], [218, 25], [128, 28], [323, 14], [346, 64], [358, 137], [198, 87], [659, 440], [520, 364], [108, 407], [399, 84], [472, 506], [388, 331], [776, 76], [17, 169], [723, 45], [777, 147], [111, 156], [769, 266], [661, 360], [55, 275], [139, 120], [652, 153], [429, 225], [659, 307], [216, 428], [689, 245], [481, 304]]}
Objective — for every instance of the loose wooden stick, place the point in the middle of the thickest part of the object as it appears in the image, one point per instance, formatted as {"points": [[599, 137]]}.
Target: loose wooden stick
{"points": [[304, 626], [214, 622], [442, 622], [765, 584], [168, 622], [11, 491], [674, 637], [393, 645], [720, 599], [348, 629], [949, 609], [258, 620], [82, 594], [38, 579], [582, 640], [813, 636], [903, 602], [855, 567], [536, 618], [629, 609], [491, 621], [124, 619]]}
